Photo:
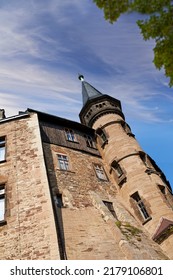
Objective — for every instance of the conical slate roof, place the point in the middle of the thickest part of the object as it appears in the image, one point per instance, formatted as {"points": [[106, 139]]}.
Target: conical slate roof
{"points": [[88, 91]]}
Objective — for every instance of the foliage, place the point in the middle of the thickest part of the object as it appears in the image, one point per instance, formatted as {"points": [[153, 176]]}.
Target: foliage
{"points": [[118, 224], [129, 231], [158, 25]]}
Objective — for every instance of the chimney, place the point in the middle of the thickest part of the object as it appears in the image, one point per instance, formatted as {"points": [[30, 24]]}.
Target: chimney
{"points": [[2, 114]]}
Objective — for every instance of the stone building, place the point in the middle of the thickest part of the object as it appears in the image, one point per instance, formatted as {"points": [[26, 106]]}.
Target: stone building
{"points": [[84, 190]]}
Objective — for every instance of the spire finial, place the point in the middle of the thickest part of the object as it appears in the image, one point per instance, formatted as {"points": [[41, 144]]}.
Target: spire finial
{"points": [[81, 77]]}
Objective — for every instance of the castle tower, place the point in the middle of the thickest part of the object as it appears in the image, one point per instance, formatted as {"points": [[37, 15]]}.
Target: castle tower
{"points": [[140, 183]]}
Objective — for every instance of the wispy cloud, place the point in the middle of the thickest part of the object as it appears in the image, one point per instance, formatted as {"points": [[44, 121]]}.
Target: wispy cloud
{"points": [[44, 45]]}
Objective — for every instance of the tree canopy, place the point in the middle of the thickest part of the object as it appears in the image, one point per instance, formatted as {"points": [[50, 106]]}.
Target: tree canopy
{"points": [[158, 25]]}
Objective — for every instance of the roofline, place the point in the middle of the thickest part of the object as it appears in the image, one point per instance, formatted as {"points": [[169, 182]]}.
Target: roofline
{"points": [[20, 116], [52, 118]]}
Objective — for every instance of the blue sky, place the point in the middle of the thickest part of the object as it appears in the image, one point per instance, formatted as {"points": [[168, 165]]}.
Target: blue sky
{"points": [[45, 44]]}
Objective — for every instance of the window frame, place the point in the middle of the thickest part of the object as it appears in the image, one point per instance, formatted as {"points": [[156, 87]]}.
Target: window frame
{"points": [[63, 160], [118, 172], [142, 209], [89, 141], [110, 207], [58, 200], [3, 147], [102, 137], [126, 128], [146, 160], [3, 200], [70, 135], [99, 169]]}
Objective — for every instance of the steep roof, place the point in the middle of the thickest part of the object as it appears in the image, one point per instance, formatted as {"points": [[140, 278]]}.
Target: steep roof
{"points": [[45, 117], [89, 92], [163, 225]]}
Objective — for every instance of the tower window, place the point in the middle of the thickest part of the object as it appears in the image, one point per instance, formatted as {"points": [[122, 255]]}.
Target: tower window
{"points": [[145, 160], [103, 138], [117, 168], [89, 141], [2, 148], [103, 135], [70, 135], [2, 203], [110, 207], [119, 173], [140, 205], [100, 172], [162, 189], [63, 162], [126, 128]]}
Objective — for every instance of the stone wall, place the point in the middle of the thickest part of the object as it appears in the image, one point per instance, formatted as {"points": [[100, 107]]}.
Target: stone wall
{"points": [[90, 230], [124, 148], [83, 223], [29, 232]]}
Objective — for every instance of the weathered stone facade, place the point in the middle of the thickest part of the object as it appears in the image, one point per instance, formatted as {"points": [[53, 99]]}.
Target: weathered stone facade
{"points": [[29, 232], [81, 191]]}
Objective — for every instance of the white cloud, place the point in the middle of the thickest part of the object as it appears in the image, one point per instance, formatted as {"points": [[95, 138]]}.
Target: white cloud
{"points": [[45, 43], [42, 46]]}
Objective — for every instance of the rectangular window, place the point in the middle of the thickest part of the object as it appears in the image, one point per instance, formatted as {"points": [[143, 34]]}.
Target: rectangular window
{"points": [[140, 205], [102, 134], [126, 128], [102, 137], [144, 157], [63, 162], [100, 172], [117, 168], [89, 141], [2, 148], [70, 135], [2, 203], [58, 200], [110, 207], [118, 173]]}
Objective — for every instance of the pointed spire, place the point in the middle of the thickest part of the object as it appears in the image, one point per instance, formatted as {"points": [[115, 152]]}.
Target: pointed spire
{"points": [[88, 91]]}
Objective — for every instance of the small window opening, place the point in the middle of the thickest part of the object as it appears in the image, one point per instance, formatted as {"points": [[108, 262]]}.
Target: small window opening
{"points": [[70, 135], [117, 168], [58, 200], [110, 207], [2, 148], [89, 141], [103, 139], [162, 189], [100, 172], [2, 203], [140, 205], [63, 162]]}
